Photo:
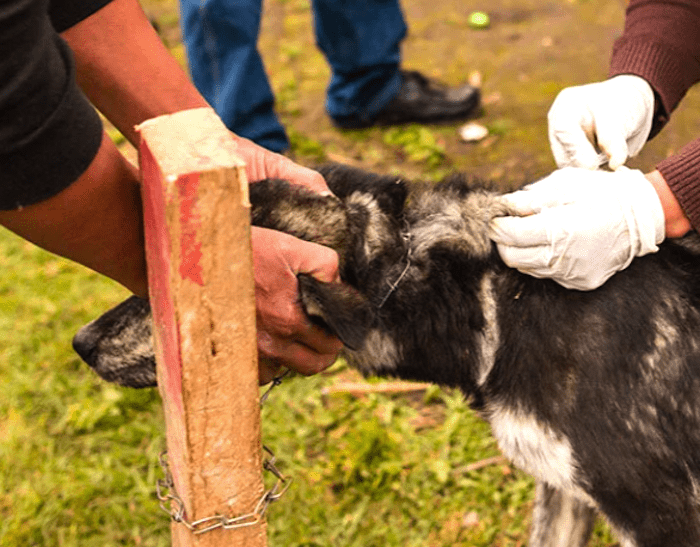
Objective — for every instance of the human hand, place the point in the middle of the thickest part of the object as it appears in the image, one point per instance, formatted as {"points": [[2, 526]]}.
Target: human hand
{"points": [[579, 227], [286, 337], [262, 164], [614, 115]]}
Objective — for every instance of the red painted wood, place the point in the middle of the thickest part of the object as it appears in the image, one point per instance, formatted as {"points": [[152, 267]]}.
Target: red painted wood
{"points": [[190, 223], [167, 339]]}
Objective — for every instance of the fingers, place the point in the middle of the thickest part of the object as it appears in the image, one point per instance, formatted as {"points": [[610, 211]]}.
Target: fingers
{"points": [[550, 191], [519, 231], [531, 261], [268, 370], [572, 131], [612, 142], [614, 115], [316, 260], [303, 176], [524, 243], [571, 148], [300, 346], [285, 334], [262, 164], [308, 351]]}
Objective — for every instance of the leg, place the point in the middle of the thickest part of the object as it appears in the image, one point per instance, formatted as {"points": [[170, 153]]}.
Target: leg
{"points": [[221, 41], [361, 41], [663, 514], [559, 520]]}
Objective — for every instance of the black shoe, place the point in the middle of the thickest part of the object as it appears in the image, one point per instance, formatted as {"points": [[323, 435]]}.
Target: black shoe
{"points": [[421, 100]]}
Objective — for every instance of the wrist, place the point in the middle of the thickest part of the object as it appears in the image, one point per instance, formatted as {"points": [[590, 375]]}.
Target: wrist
{"points": [[675, 220]]}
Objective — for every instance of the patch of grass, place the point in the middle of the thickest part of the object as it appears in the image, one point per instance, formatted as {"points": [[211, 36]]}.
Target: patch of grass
{"points": [[305, 147], [417, 143], [76, 455], [387, 470]]}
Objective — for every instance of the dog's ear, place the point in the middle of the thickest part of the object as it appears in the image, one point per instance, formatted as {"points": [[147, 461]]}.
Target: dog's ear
{"points": [[337, 308], [389, 191], [118, 344]]}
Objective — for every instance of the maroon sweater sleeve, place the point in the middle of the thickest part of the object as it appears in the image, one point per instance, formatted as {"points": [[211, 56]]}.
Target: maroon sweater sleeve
{"points": [[661, 43]]}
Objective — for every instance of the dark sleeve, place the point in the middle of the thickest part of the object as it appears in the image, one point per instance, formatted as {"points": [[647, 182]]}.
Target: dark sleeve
{"points": [[66, 13], [661, 43], [49, 132]]}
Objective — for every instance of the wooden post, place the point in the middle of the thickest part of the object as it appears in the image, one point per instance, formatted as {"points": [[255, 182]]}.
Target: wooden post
{"points": [[197, 225]]}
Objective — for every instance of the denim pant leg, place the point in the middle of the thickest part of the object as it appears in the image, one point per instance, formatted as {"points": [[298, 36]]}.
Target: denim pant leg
{"points": [[361, 40], [221, 41]]}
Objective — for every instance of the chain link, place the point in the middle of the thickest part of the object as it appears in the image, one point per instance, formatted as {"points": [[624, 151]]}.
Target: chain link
{"points": [[172, 503]]}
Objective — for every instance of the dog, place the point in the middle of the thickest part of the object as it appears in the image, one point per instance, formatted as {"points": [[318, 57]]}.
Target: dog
{"points": [[596, 394]]}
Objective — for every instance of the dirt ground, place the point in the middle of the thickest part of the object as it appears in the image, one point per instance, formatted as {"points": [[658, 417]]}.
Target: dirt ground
{"points": [[531, 50]]}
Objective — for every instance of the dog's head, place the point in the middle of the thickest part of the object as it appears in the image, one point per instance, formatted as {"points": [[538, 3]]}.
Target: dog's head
{"points": [[362, 222], [415, 259], [411, 266]]}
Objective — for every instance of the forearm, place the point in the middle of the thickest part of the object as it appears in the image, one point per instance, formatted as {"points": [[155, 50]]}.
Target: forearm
{"points": [[677, 223], [118, 56], [96, 221]]}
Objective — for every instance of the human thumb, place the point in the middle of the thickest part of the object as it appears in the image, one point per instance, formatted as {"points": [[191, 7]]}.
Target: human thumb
{"points": [[313, 259]]}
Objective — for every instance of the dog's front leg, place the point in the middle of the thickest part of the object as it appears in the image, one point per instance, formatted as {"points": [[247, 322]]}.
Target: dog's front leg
{"points": [[559, 519]]}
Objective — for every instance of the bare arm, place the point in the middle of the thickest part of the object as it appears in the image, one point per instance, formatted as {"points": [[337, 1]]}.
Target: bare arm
{"points": [[130, 76], [677, 223], [119, 56]]}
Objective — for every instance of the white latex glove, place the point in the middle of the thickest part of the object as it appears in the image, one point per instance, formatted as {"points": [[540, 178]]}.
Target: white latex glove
{"points": [[615, 115], [579, 227]]}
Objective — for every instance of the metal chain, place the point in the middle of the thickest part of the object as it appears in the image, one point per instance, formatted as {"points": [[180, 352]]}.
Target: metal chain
{"points": [[172, 503]]}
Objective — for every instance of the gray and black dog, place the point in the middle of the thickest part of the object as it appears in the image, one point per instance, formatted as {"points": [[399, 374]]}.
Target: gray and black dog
{"points": [[596, 394]]}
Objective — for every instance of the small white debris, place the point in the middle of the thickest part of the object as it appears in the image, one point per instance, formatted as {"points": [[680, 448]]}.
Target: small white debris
{"points": [[475, 78], [473, 132], [470, 519]]}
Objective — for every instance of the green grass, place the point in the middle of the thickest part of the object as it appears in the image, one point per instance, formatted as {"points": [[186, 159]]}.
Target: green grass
{"points": [[79, 457], [418, 143]]}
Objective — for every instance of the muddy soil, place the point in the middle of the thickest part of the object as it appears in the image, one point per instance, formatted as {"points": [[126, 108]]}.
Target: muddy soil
{"points": [[531, 50]]}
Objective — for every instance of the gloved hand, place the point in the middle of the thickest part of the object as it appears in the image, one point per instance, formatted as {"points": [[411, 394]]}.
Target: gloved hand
{"points": [[579, 227], [615, 115]]}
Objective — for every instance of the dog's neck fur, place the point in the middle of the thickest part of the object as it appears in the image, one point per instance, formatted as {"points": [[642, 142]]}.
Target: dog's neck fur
{"points": [[443, 254]]}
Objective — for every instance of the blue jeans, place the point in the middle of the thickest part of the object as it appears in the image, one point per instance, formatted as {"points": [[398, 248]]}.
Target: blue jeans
{"points": [[360, 39]]}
